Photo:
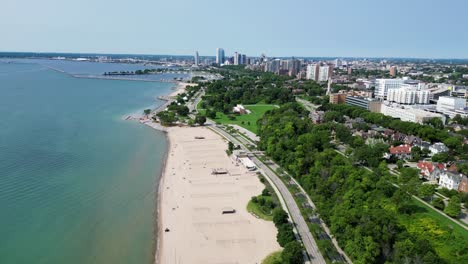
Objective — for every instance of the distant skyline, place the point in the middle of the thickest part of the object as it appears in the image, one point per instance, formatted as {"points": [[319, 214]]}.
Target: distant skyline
{"points": [[303, 28]]}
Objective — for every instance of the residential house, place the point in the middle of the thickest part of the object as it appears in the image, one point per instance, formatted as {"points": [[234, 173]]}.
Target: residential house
{"points": [[438, 147], [413, 140], [401, 152], [431, 171], [364, 135], [397, 136], [463, 186], [450, 180]]}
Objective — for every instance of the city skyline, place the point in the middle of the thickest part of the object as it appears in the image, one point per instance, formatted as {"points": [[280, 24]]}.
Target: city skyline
{"points": [[397, 30]]}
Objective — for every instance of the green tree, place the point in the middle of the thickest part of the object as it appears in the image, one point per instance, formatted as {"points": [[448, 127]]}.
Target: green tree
{"points": [[416, 153], [280, 217], [292, 253], [453, 208], [441, 157], [285, 234], [230, 146], [435, 122], [426, 191], [438, 203], [409, 180], [399, 164], [147, 111], [183, 110], [166, 118], [211, 113], [200, 119]]}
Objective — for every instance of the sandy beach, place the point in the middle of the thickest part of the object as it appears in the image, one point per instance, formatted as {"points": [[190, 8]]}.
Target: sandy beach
{"points": [[192, 227]]}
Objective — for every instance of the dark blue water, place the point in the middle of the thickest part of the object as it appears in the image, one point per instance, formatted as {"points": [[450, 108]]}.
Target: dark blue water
{"points": [[77, 183]]}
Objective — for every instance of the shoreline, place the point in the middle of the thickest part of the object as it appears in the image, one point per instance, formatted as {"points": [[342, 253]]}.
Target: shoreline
{"points": [[157, 218]]}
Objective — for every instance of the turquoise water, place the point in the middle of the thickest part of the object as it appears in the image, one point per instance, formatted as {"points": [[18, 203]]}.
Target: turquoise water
{"points": [[77, 183]]}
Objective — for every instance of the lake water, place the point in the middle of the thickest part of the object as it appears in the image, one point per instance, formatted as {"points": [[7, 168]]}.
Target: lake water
{"points": [[77, 183]]}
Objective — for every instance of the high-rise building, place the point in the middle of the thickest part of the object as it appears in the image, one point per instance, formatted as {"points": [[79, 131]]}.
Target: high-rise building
{"points": [[383, 85], [244, 59], [273, 66], [237, 58], [312, 72], [393, 71], [197, 59], [325, 72], [338, 63], [350, 71], [294, 66], [220, 56]]}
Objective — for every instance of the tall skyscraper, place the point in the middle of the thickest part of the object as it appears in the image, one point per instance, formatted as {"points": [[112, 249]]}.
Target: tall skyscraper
{"points": [[220, 56], [237, 58], [197, 58], [312, 72], [325, 72], [295, 67]]}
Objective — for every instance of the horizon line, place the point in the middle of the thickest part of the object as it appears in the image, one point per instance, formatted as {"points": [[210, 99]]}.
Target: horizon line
{"points": [[185, 55]]}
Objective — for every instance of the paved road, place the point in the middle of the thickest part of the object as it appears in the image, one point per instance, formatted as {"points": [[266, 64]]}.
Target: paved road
{"points": [[308, 105], [301, 225]]}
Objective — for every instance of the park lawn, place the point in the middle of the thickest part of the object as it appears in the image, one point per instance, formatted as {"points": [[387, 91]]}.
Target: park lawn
{"points": [[257, 112], [437, 230], [273, 258], [254, 208]]}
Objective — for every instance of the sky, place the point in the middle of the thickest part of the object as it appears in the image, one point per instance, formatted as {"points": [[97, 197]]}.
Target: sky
{"points": [[312, 28]]}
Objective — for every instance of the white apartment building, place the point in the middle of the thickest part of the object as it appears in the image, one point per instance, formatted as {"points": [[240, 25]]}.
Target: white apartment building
{"points": [[406, 95], [312, 72], [325, 72], [409, 114]]}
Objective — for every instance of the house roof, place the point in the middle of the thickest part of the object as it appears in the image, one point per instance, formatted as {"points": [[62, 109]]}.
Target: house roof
{"points": [[439, 147], [422, 165], [425, 165], [402, 149]]}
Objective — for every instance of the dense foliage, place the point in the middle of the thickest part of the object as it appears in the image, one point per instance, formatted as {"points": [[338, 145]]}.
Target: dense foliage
{"points": [[365, 212], [224, 94]]}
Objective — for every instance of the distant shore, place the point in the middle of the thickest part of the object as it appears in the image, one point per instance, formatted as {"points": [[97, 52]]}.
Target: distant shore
{"points": [[90, 76]]}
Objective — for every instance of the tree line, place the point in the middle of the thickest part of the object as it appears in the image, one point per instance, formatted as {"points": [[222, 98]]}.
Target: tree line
{"points": [[364, 211]]}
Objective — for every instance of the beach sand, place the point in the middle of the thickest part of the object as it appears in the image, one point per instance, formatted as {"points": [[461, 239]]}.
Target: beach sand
{"points": [[191, 201], [179, 88]]}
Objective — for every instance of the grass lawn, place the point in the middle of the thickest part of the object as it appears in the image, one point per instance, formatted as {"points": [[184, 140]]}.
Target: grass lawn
{"points": [[438, 230], [254, 208], [273, 258], [247, 121]]}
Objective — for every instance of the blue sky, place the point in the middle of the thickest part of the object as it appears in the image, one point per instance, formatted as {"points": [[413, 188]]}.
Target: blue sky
{"points": [[370, 28]]}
